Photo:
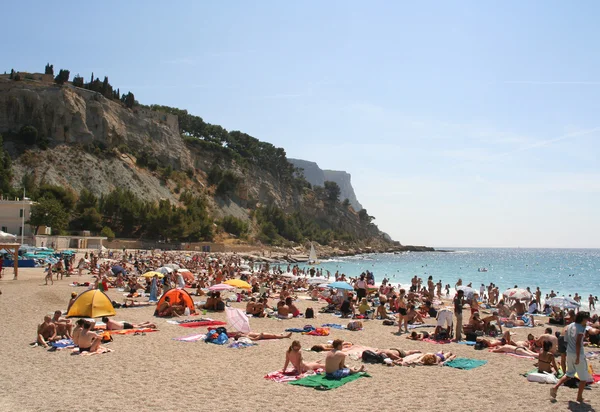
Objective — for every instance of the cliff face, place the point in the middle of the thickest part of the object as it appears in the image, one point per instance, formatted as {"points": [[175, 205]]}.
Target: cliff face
{"points": [[317, 177], [69, 115], [75, 120]]}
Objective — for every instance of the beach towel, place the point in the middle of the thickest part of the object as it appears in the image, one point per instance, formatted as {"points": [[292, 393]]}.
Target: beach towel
{"points": [[191, 338], [333, 326], [241, 345], [318, 332], [321, 382], [465, 363], [535, 370], [201, 323], [62, 344], [514, 355], [467, 342], [592, 355], [288, 375], [98, 352], [420, 325], [131, 331], [298, 330], [438, 342]]}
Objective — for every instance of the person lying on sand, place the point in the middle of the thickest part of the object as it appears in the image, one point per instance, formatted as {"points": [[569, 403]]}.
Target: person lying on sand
{"points": [[294, 356], [335, 363], [397, 354], [517, 350], [46, 332], [259, 336], [418, 336], [327, 346], [114, 325], [426, 359]]}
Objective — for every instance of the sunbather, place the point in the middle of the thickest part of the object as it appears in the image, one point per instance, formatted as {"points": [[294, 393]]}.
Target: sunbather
{"points": [[546, 360], [46, 332], [327, 346], [259, 336], [517, 350], [397, 354], [294, 356], [412, 316], [335, 362], [418, 336], [64, 326], [88, 340], [426, 359], [114, 325]]}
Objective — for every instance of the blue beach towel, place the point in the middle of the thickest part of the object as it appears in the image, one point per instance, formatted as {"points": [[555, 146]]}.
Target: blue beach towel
{"points": [[465, 363], [333, 326]]}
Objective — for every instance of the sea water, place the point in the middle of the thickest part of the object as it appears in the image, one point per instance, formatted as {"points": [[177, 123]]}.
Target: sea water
{"points": [[565, 271]]}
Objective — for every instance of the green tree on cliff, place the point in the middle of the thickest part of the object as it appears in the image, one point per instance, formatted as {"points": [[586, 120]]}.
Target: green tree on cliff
{"points": [[49, 69], [78, 81], [5, 170], [128, 99], [62, 77], [48, 212], [333, 191]]}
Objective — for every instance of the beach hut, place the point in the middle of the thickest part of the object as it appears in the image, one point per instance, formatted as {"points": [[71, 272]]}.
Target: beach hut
{"points": [[91, 304], [175, 297]]}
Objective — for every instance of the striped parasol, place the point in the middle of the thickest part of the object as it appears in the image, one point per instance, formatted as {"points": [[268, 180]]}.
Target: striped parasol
{"points": [[238, 319]]}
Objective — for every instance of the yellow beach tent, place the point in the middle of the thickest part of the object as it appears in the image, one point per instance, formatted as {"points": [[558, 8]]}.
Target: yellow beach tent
{"points": [[92, 304]]}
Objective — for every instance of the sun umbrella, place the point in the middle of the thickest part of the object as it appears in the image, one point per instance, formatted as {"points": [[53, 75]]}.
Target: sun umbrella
{"points": [[317, 280], [220, 287], [246, 272], [188, 276], [288, 275], [238, 319], [563, 303], [173, 266], [340, 285], [469, 292], [164, 270], [518, 294], [118, 269], [152, 274], [238, 283], [244, 266]]}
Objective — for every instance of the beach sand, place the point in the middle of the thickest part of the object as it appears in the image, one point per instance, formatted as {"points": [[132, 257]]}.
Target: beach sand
{"points": [[155, 373]]}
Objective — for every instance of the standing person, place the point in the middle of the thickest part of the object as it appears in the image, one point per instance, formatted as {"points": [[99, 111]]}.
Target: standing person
{"points": [[591, 301], [538, 298], [576, 361], [402, 312], [430, 287], [361, 288], [49, 274], [459, 301]]}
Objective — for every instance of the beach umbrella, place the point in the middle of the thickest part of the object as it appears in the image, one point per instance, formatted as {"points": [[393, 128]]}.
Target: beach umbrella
{"points": [[340, 285], [518, 294], [7, 236], [118, 269], [173, 266], [469, 292], [238, 319], [238, 283], [220, 287], [188, 276], [563, 303], [164, 270], [317, 280], [152, 274], [246, 272], [244, 266], [288, 275]]}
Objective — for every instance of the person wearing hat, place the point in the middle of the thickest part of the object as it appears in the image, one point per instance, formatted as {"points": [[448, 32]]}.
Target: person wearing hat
{"points": [[73, 299]]}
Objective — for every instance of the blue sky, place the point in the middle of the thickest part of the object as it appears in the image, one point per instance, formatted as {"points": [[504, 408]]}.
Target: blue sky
{"points": [[462, 124]]}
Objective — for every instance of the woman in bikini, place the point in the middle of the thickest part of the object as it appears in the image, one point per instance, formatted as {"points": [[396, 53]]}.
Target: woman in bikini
{"points": [[426, 359], [402, 312], [517, 350], [418, 336], [546, 361], [294, 356]]}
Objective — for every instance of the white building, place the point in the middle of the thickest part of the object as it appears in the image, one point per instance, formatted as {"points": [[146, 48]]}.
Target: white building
{"points": [[11, 216]]}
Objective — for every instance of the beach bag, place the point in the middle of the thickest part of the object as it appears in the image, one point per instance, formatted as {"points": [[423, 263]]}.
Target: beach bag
{"points": [[471, 336], [479, 346], [372, 357], [107, 337], [542, 378], [388, 322], [310, 313]]}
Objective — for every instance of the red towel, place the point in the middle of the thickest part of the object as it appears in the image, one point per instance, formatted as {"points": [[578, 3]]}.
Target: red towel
{"points": [[438, 342], [201, 323], [288, 375], [131, 331]]}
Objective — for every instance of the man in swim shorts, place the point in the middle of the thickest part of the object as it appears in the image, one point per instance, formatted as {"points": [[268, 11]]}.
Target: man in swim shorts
{"points": [[335, 366], [114, 325], [576, 360]]}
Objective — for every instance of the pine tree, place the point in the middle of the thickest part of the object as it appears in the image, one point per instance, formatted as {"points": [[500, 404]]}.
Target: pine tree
{"points": [[49, 69], [12, 74]]}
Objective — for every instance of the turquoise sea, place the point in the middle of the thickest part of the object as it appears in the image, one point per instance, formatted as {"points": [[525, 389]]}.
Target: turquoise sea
{"points": [[565, 271]]}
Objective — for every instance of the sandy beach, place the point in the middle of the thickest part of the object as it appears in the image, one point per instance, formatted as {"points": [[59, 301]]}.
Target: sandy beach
{"points": [[154, 372]]}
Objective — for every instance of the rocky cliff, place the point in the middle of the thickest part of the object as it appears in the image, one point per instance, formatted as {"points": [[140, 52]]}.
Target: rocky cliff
{"points": [[317, 177]]}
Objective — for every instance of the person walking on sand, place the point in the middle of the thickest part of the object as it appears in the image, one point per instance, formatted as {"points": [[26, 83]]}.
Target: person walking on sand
{"points": [[576, 360], [459, 301]]}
